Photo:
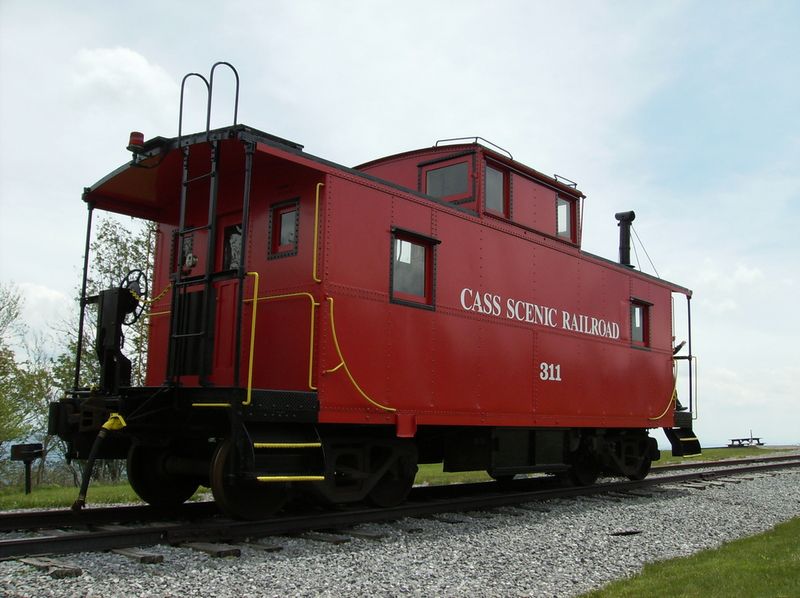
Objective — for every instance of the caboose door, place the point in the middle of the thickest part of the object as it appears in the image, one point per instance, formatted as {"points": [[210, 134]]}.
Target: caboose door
{"points": [[226, 290], [204, 326]]}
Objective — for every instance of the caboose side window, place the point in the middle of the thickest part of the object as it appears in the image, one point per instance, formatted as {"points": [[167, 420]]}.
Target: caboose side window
{"points": [[564, 218], [448, 181], [640, 327], [284, 222], [412, 268], [494, 192], [409, 268]]}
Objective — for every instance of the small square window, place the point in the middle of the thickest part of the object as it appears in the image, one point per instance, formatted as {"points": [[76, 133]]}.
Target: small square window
{"points": [[232, 247], [412, 269], [564, 218], [494, 198], [287, 232], [640, 324], [284, 225]]}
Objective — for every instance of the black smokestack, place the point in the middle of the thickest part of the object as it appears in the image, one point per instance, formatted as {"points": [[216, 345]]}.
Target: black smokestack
{"points": [[625, 219]]}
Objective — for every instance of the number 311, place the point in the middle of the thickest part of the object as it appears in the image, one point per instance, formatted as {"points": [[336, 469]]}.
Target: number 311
{"points": [[550, 372]]}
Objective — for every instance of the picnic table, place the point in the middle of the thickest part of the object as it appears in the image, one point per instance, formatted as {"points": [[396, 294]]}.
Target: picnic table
{"points": [[751, 441]]}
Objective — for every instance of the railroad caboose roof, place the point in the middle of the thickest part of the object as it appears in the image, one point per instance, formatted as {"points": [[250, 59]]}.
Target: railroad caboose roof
{"points": [[149, 185]]}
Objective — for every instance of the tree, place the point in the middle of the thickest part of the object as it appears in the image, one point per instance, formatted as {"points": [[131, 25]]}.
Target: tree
{"points": [[117, 249], [31, 379], [14, 407], [26, 383]]}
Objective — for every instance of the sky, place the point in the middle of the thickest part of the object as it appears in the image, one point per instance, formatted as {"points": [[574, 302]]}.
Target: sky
{"points": [[686, 112]]}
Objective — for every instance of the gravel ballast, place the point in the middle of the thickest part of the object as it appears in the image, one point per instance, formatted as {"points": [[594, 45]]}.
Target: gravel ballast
{"points": [[566, 548]]}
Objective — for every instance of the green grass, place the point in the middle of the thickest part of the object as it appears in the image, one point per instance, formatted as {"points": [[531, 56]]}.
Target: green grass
{"points": [[53, 497], [763, 565], [432, 474]]}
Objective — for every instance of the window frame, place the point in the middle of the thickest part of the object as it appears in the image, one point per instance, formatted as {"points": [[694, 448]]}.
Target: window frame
{"points": [[571, 204], [468, 195], [227, 262], [505, 190], [428, 299], [276, 212], [645, 307]]}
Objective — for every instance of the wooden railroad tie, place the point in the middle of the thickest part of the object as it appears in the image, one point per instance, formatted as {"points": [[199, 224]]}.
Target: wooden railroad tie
{"points": [[55, 568], [213, 549]]}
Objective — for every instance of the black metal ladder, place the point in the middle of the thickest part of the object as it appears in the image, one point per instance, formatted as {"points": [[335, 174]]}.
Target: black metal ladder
{"points": [[188, 334]]}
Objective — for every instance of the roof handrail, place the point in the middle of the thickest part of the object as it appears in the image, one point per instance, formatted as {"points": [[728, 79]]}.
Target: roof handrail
{"points": [[211, 90], [209, 83], [565, 181], [476, 139], [180, 111]]}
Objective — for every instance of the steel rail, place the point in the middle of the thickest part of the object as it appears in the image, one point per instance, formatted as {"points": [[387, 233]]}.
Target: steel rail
{"points": [[33, 520], [423, 502], [721, 463]]}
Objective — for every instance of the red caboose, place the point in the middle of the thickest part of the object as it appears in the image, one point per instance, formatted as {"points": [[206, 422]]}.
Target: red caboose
{"points": [[326, 328]]}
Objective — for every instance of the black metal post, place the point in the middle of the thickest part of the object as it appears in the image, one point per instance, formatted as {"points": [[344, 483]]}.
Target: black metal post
{"points": [[249, 150], [211, 259], [82, 316], [689, 325], [28, 477], [27, 453]]}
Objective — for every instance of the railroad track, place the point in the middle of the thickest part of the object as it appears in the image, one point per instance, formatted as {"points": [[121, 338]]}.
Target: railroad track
{"points": [[90, 531]]}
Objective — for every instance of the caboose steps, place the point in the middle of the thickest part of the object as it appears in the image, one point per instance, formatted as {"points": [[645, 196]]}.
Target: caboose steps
{"points": [[295, 456], [684, 442]]}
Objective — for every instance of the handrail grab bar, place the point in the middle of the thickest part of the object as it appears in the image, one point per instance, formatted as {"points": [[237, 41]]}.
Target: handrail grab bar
{"points": [[180, 111], [211, 91]]}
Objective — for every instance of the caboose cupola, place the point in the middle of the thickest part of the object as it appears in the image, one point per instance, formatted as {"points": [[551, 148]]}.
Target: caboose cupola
{"points": [[488, 182]]}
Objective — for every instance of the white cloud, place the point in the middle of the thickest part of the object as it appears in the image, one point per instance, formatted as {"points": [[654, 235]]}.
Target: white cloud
{"points": [[115, 89], [44, 307], [719, 279], [115, 78]]}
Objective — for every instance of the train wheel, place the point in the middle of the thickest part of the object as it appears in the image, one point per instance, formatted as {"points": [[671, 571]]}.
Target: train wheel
{"points": [[584, 474], [642, 471], [155, 486], [242, 499], [393, 488]]}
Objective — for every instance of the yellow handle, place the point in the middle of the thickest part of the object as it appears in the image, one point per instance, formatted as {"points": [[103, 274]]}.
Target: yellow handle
{"points": [[114, 422]]}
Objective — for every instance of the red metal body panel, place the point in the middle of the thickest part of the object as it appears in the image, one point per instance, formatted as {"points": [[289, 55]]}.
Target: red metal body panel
{"points": [[534, 205], [461, 367], [512, 304]]}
